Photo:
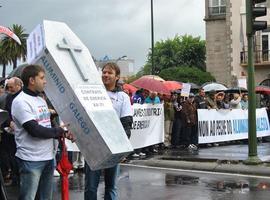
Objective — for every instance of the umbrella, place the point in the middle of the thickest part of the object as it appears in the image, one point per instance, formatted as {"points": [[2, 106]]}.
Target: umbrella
{"points": [[236, 90], [17, 71], [64, 167], [214, 86], [194, 86], [154, 77], [129, 88], [172, 85], [152, 83], [262, 89]]}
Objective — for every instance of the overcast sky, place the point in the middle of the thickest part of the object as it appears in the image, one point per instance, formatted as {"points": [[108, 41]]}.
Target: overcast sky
{"points": [[112, 27]]}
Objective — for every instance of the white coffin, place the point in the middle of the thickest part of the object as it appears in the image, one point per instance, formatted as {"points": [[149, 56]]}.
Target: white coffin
{"points": [[75, 88]]}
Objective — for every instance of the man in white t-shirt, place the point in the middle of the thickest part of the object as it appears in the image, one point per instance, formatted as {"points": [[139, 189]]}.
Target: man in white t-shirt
{"points": [[122, 106], [34, 137]]}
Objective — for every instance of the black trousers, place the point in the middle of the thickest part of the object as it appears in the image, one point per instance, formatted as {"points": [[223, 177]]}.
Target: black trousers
{"points": [[177, 137], [191, 134]]}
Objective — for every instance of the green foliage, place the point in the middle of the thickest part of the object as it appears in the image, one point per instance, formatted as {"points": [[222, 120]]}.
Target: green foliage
{"points": [[179, 51], [186, 74], [11, 48]]}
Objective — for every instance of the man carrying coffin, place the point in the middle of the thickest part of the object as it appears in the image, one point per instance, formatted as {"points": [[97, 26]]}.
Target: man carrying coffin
{"points": [[121, 104], [34, 137]]}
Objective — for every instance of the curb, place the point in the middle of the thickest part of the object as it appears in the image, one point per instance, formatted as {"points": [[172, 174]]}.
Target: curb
{"points": [[229, 167]]}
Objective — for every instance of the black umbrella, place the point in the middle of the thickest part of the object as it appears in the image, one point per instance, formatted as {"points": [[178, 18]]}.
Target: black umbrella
{"points": [[194, 86], [236, 90]]}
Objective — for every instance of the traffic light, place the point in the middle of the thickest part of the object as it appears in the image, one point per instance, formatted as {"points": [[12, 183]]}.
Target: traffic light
{"points": [[258, 12]]}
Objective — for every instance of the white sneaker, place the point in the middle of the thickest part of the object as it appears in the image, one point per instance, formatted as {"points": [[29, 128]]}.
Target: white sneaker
{"points": [[142, 154], [194, 147], [56, 173], [155, 151], [135, 155]]}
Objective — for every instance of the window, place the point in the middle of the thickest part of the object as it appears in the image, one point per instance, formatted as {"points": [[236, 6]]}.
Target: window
{"points": [[217, 7], [265, 45]]}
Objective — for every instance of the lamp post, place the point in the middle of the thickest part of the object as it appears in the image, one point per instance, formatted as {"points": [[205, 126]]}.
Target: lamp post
{"points": [[152, 38], [251, 27]]}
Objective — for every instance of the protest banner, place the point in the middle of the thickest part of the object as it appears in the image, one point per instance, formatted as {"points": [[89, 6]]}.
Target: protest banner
{"points": [[185, 89], [226, 125], [148, 125]]}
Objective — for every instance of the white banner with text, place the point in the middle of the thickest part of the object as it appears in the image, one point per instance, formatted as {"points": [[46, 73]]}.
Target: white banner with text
{"points": [[148, 125], [226, 125]]}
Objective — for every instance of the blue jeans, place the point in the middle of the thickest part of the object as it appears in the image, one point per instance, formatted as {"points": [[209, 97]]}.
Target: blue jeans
{"points": [[92, 181], [36, 179]]}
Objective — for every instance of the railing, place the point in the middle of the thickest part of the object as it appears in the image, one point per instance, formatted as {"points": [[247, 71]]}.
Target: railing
{"points": [[260, 57], [217, 10]]}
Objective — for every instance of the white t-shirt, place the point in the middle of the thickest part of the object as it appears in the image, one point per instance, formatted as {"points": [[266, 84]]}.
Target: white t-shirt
{"points": [[25, 108], [121, 103]]}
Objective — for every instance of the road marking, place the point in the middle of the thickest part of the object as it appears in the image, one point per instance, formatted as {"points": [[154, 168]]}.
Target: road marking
{"points": [[195, 171]]}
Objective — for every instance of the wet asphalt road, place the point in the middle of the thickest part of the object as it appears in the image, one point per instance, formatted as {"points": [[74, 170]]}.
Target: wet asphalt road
{"points": [[139, 183]]}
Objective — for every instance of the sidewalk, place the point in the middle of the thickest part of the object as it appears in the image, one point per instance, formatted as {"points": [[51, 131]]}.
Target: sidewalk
{"points": [[226, 159]]}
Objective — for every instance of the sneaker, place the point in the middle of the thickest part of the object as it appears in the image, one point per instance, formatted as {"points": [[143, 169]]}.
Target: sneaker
{"points": [[209, 145], [155, 151], [56, 173], [135, 155], [142, 154], [194, 147]]}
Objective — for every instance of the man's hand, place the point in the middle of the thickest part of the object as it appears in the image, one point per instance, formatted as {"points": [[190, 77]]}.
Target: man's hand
{"points": [[70, 136], [12, 125]]}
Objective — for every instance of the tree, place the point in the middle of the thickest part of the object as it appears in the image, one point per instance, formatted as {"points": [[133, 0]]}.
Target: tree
{"points": [[4, 60], [179, 51], [186, 74], [11, 48]]}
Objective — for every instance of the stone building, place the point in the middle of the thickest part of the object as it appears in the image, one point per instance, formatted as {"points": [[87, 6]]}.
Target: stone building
{"points": [[125, 64], [226, 44]]}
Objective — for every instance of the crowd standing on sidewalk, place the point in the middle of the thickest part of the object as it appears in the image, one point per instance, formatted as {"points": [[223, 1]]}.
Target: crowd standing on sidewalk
{"points": [[27, 143]]}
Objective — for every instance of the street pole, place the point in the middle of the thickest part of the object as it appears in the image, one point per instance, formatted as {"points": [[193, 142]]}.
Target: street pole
{"points": [[152, 38], [252, 135]]}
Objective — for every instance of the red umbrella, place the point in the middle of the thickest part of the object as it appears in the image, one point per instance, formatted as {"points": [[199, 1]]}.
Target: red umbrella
{"points": [[129, 88], [172, 85], [64, 167], [262, 89], [152, 83]]}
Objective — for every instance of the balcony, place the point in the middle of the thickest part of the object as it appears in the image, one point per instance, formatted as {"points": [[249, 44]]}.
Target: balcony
{"points": [[261, 58]]}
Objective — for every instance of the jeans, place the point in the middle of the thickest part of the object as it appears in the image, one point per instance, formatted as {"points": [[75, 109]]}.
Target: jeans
{"points": [[92, 181], [36, 179]]}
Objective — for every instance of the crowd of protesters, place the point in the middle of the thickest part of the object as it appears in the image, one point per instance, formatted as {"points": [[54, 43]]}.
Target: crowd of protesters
{"points": [[180, 114]]}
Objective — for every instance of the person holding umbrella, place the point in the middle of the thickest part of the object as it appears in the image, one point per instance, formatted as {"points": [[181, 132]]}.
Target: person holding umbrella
{"points": [[122, 106], [34, 137]]}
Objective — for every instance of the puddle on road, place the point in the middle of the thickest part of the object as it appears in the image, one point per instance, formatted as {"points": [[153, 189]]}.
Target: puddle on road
{"points": [[172, 179], [240, 186]]}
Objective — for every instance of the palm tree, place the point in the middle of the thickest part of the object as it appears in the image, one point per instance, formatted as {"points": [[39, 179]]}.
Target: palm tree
{"points": [[12, 48], [4, 60]]}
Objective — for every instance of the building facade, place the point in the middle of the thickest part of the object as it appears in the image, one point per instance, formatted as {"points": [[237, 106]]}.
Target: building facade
{"points": [[126, 66], [226, 43]]}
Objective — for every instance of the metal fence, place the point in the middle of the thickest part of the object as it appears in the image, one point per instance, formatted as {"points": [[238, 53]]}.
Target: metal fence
{"points": [[259, 56]]}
